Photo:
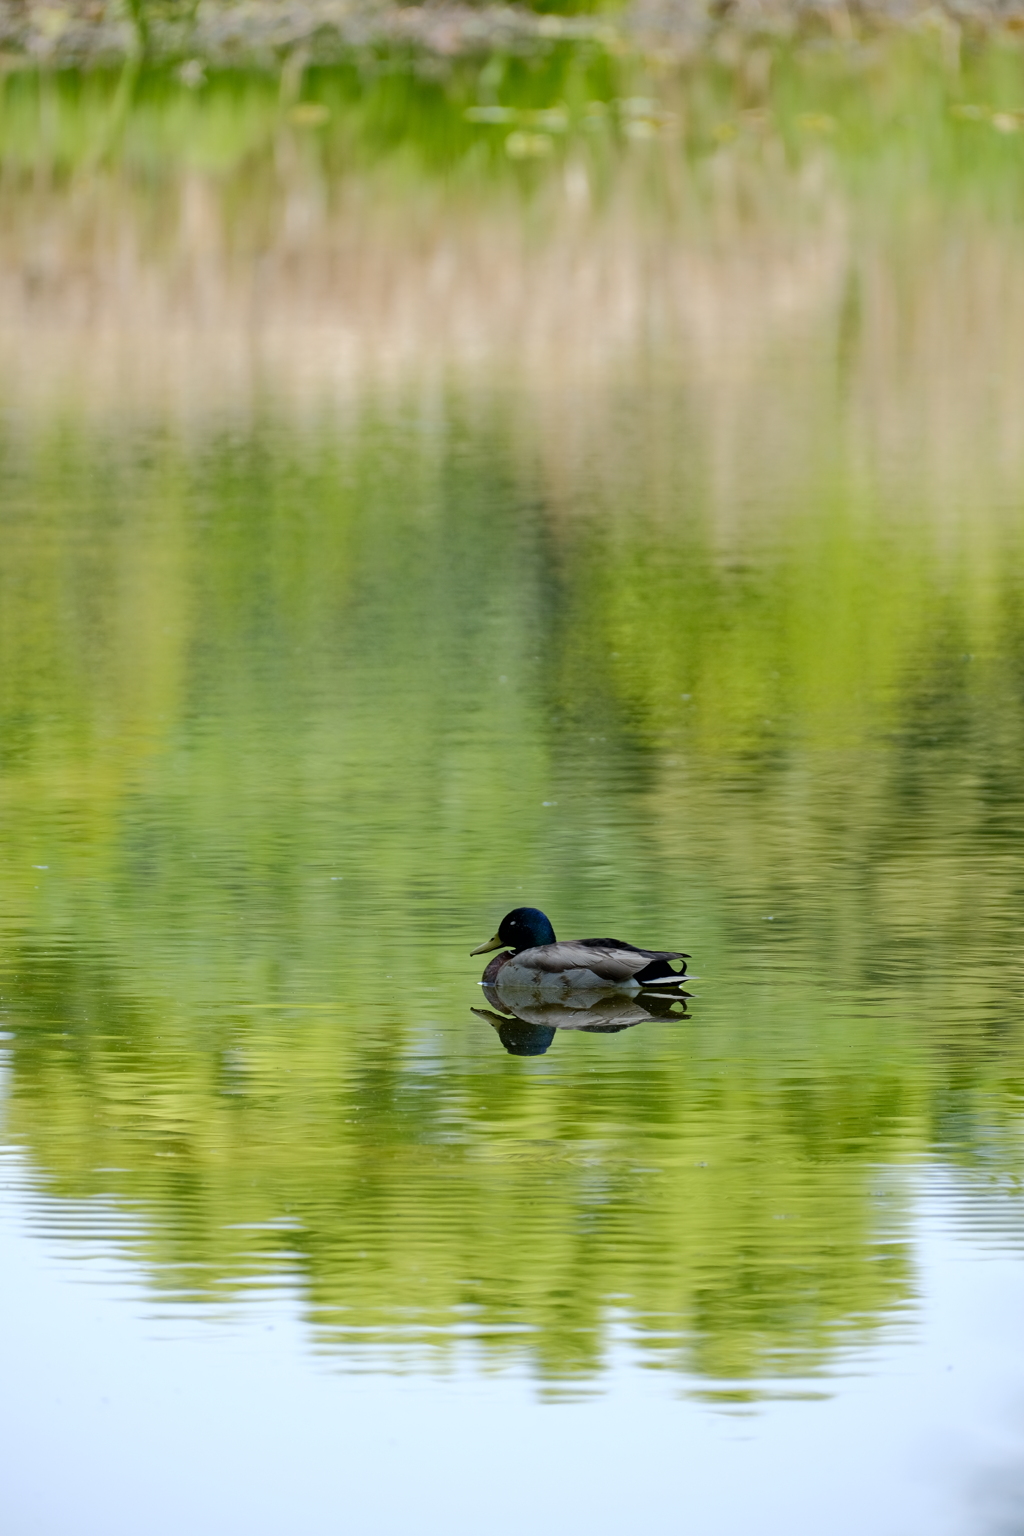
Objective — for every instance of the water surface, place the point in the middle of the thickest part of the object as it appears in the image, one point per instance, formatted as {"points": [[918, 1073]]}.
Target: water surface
{"points": [[710, 644]]}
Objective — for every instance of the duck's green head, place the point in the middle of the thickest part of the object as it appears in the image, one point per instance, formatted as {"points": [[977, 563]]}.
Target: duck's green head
{"points": [[522, 929]]}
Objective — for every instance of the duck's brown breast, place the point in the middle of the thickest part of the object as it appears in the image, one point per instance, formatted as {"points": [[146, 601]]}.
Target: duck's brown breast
{"points": [[495, 966]]}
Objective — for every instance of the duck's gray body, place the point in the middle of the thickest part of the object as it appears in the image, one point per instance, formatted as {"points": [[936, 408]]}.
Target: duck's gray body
{"points": [[572, 966], [578, 965]]}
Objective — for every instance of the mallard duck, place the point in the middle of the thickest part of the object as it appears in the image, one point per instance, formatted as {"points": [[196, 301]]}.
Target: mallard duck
{"points": [[535, 959]]}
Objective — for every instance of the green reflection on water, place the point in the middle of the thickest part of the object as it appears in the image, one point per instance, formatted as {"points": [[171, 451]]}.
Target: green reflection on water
{"points": [[918, 111], [291, 715]]}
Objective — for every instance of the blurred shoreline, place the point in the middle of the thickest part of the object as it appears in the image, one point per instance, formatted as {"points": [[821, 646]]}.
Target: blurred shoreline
{"points": [[792, 240], [263, 33]]}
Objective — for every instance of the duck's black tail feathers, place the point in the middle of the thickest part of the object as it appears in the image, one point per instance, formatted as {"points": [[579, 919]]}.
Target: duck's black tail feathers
{"points": [[661, 972]]}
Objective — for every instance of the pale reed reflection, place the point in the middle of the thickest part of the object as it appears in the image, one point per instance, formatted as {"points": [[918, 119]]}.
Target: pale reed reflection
{"points": [[92, 298], [774, 328]]}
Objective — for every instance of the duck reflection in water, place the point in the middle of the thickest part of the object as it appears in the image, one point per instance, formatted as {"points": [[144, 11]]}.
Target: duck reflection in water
{"points": [[528, 1028]]}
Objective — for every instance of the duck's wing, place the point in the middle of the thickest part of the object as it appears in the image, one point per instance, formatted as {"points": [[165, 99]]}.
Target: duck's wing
{"points": [[648, 954], [652, 965], [609, 959]]}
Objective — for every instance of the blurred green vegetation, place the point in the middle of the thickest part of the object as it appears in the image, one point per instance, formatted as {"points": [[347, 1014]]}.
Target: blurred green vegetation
{"points": [[929, 110], [291, 714]]}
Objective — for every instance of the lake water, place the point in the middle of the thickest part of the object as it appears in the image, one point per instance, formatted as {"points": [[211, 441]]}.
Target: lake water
{"points": [[674, 587]]}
